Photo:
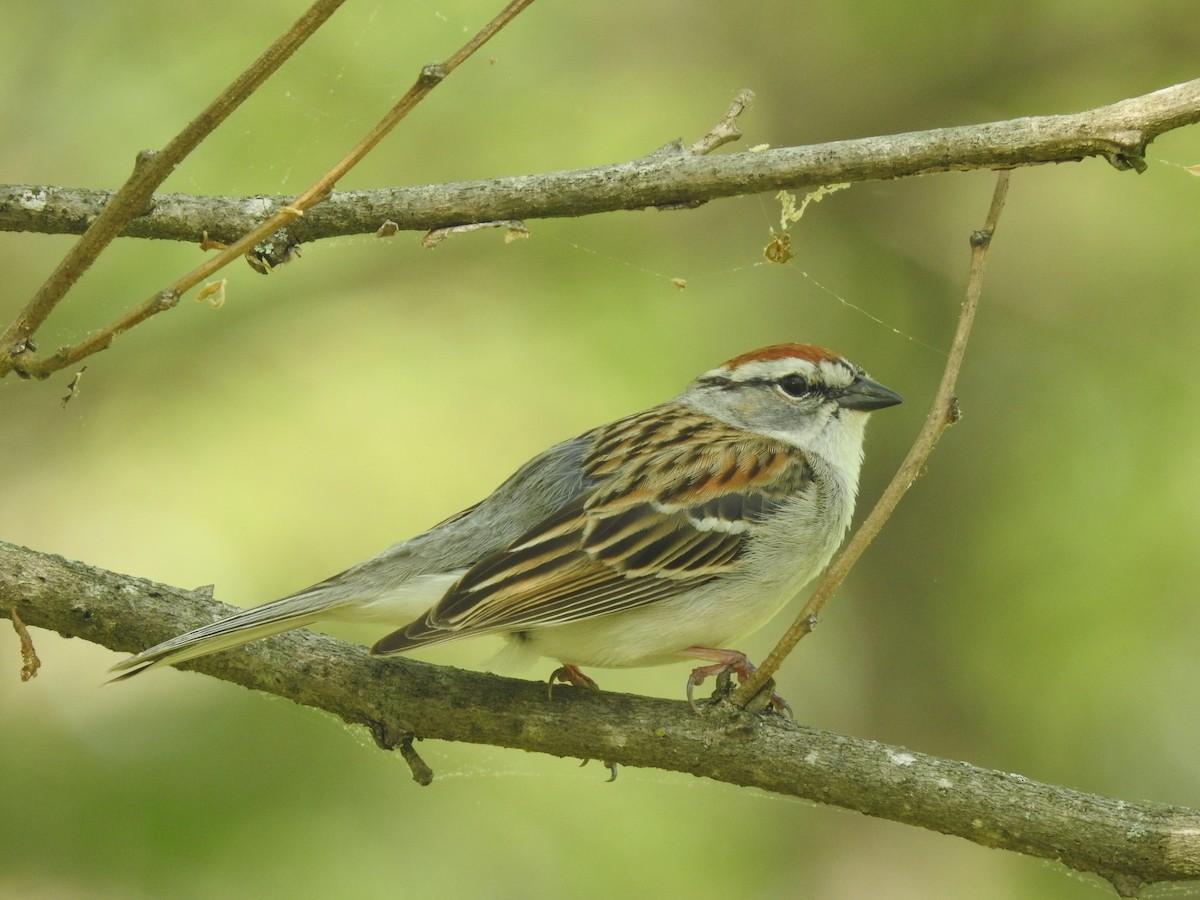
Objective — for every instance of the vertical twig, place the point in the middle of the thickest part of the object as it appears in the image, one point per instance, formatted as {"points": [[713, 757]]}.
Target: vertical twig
{"points": [[149, 171], [942, 414]]}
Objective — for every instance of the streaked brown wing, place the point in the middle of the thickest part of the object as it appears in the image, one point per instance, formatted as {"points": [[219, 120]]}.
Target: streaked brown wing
{"points": [[675, 518]]}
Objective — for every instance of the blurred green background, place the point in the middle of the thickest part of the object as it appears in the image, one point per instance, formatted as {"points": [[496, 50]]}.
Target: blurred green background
{"points": [[1031, 607]]}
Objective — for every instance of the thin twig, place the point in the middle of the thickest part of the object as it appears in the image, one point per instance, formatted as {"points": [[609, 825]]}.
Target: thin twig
{"points": [[29, 658], [421, 773], [722, 133], [942, 414], [149, 171], [1118, 132], [726, 130], [431, 76]]}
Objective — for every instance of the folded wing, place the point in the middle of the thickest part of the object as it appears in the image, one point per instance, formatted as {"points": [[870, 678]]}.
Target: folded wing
{"points": [[675, 517]]}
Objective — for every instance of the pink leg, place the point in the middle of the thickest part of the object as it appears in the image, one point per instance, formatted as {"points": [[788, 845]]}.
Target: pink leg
{"points": [[570, 674], [725, 661]]}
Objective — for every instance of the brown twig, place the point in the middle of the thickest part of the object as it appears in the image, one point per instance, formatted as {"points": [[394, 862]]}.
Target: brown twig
{"points": [[942, 414], [149, 171], [29, 658], [421, 773], [726, 130], [431, 76]]}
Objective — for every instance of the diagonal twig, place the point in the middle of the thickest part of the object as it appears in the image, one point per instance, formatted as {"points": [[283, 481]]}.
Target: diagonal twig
{"points": [[942, 415], [149, 171], [726, 130], [26, 363], [670, 178]]}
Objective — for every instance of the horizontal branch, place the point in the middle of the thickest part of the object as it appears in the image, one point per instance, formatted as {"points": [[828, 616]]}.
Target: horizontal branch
{"points": [[397, 699], [1118, 133]]}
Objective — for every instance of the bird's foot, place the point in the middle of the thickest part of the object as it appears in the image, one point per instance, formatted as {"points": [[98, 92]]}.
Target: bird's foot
{"points": [[569, 674], [725, 662]]}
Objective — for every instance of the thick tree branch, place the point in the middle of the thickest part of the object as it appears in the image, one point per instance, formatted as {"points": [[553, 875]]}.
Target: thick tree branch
{"points": [[1131, 845], [1118, 133]]}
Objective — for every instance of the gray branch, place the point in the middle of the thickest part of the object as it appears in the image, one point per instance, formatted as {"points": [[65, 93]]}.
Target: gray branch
{"points": [[1118, 133], [399, 700]]}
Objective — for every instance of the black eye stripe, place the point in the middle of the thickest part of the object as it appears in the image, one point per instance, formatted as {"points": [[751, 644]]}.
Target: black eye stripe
{"points": [[792, 385]]}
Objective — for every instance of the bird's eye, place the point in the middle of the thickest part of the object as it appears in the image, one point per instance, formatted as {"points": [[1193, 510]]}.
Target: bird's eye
{"points": [[793, 385]]}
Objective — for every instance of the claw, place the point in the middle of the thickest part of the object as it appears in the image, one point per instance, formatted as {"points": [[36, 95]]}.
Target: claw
{"points": [[725, 662], [569, 674], [611, 766]]}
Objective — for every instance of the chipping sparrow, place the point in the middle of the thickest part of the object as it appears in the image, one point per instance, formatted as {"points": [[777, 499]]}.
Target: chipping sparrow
{"points": [[664, 535]]}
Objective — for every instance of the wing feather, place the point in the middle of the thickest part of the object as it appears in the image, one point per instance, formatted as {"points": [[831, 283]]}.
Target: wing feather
{"points": [[673, 500]]}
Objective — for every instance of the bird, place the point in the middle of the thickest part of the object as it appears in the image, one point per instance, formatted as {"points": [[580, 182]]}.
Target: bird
{"points": [[666, 535]]}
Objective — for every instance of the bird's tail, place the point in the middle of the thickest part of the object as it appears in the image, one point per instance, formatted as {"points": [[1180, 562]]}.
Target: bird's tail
{"points": [[281, 615]]}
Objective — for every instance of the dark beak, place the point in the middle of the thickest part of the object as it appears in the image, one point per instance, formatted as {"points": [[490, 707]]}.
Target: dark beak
{"points": [[866, 395]]}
